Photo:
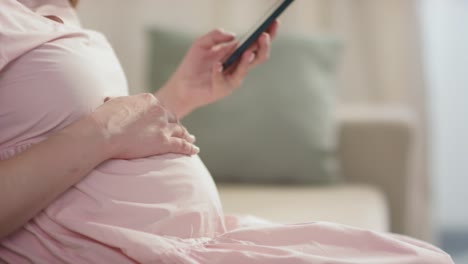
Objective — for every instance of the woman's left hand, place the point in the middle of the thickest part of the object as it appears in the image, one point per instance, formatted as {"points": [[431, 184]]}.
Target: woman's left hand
{"points": [[200, 79]]}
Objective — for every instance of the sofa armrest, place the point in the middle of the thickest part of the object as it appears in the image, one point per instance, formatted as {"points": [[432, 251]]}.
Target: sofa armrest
{"points": [[376, 147]]}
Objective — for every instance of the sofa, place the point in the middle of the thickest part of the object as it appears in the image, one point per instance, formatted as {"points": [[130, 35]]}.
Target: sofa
{"points": [[376, 184], [375, 152], [253, 142]]}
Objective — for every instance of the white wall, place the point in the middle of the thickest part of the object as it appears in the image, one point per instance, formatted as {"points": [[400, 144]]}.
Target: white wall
{"points": [[446, 37]]}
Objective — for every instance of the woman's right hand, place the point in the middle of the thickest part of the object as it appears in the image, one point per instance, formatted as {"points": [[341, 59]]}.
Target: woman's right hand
{"points": [[139, 126]]}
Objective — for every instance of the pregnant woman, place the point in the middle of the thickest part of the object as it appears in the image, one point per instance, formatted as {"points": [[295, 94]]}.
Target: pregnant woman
{"points": [[89, 174]]}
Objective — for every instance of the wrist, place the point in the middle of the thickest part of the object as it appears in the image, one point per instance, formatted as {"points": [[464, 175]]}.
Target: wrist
{"points": [[89, 132], [173, 99]]}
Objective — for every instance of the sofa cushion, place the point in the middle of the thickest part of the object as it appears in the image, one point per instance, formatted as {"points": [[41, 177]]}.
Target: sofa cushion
{"points": [[355, 205], [279, 126]]}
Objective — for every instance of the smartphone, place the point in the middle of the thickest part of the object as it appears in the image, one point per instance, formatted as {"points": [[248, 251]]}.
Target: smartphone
{"points": [[252, 36]]}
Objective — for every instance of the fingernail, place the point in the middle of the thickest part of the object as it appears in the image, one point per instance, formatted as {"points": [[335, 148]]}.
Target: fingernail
{"points": [[252, 58], [193, 138], [227, 32], [230, 33], [197, 149], [220, 67]]}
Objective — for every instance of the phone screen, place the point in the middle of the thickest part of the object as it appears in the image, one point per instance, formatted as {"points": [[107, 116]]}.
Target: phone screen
{"points": [[253, 34], [267, 14]]}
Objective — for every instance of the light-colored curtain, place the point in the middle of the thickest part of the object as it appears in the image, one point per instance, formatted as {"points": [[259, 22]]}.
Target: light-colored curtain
{"points": [[381, 61]]}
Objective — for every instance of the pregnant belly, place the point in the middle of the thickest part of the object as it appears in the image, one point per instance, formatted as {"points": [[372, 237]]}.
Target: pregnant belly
{"points": [[167, 195]]}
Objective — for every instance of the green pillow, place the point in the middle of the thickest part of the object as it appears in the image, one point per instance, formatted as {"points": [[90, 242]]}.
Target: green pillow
{"points": [[279, 127]]}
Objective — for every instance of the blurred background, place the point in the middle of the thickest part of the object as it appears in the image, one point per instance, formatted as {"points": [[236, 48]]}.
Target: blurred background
{"points": [[382, 86]]}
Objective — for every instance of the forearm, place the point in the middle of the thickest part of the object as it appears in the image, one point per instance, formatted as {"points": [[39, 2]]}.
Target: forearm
{"points": [[34, 178], [173, 101]]}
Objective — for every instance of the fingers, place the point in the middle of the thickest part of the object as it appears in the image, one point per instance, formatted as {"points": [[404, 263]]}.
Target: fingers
{"points": [[171, 117], [217, 75], [236, 78], [222, 51], [178, 131], [180, 141], [263, 45], [270, 34], [181, 146], [273, 30], [263, 52], [257, 54], [215, 37]]}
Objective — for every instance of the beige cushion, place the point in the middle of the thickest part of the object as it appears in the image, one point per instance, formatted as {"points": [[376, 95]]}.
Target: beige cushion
{"points": [[354, 205]]}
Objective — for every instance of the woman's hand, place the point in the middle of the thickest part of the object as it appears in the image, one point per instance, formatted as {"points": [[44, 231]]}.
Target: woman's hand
{"points": [[200, 79], [123, 128], [139, 126]]}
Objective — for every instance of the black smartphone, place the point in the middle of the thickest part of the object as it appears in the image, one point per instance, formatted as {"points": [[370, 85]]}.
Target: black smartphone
{"points": [[274, 12]]}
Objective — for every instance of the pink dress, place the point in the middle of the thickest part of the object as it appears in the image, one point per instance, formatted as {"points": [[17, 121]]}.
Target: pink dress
{"points": [[162, 209]]}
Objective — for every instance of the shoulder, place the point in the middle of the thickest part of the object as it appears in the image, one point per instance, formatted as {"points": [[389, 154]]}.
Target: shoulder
{"points": [[24, 27]]}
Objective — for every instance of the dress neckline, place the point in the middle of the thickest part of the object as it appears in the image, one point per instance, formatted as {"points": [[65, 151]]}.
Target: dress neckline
{"points": [[55, 12]]}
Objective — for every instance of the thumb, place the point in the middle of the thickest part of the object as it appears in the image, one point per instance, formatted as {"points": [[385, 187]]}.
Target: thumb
{"points": [[224, 50], [215, 37]]}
